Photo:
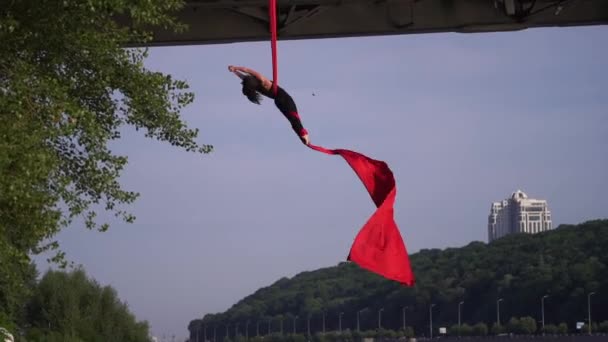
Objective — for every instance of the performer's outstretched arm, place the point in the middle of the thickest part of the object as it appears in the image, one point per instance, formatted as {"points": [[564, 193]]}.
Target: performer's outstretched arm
{"points": [[266, 83]]}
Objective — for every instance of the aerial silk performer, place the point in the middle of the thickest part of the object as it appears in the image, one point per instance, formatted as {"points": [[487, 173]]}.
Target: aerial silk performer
{"points": [[378, 247]]}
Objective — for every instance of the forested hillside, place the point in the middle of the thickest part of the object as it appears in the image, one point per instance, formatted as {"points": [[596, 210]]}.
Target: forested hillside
{"points": [[566, 264]]}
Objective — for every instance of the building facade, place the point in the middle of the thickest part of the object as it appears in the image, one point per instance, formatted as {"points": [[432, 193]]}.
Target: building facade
{"points": [[518, 214]]}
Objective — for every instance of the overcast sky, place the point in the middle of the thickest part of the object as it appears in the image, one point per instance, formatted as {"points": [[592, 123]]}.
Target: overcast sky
{"points": [[462, 120]]}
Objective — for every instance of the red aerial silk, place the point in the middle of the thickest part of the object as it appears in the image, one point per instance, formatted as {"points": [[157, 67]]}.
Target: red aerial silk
{"points": [[378, 247], [272, 15]]}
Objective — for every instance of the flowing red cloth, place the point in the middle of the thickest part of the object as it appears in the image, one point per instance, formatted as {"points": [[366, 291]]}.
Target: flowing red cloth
{"points": [[378, 247]]}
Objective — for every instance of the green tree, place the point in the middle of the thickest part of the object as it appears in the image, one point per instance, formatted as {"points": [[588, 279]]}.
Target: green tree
{"points": [[514, 326], [68, 88], [319, 337], [15, 291], [72, 307], [528, 325], [467, 330], [409, 332], [298, 338], [562, 328], [550, 329], [463, 330], [370, 334], [498, 329], [454, 330], [480, 329], [523, 326]]}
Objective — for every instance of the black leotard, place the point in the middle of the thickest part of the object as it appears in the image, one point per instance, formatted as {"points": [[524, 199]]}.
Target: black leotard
{"points": [[287, 106]]}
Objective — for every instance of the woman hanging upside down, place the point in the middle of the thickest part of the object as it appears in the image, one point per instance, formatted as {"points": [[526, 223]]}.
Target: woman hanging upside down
{"points": [[255, 84], [378, 247]]}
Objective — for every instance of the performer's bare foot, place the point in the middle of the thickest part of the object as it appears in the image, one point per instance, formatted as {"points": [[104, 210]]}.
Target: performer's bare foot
{"points": [[305, 139]]}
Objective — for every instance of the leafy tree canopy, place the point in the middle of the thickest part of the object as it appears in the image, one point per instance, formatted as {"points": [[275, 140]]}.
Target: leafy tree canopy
{"points": [[69, 87], [73, 307]]}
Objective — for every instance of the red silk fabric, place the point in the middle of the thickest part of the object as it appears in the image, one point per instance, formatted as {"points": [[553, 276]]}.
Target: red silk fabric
{"points": [[272, 15], [378, 247]]}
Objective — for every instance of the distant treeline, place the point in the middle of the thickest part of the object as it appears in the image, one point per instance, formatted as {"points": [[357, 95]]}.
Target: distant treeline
{"points": [[70, 307], [568, 265]]}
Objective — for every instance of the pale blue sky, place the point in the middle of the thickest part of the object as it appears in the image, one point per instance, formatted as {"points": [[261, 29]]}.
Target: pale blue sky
{"points": [[462, 120]]}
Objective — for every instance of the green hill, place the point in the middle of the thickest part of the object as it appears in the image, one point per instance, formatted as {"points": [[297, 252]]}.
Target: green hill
{"points": [[566, 263]]}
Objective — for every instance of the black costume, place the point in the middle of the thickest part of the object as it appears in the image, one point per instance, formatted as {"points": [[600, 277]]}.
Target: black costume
{"points": [[287, 106]]}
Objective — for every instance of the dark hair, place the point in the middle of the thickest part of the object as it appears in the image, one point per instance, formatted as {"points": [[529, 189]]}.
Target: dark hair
{"points": [[250, 89]]}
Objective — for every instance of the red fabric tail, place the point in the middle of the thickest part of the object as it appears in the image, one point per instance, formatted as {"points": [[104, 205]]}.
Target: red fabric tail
{"points": [[379, 246]]}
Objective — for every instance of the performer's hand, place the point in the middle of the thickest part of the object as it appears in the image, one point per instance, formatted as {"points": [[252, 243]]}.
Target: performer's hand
{"points": [[231, 68]]}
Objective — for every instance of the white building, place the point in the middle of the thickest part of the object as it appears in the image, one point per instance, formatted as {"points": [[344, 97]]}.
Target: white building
{"points": [[518, 214]]}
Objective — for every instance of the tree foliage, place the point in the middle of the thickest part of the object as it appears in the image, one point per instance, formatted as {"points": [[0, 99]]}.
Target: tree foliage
{"points": [[72, 307], [522, 326], [566, 264], [479, 329], [69, 87]]}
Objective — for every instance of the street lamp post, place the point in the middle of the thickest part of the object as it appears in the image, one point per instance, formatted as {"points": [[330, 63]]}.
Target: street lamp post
{"points": [[294, 324], [589, 309], [214, 333], [340, 321], [324, 322], [542, 309], [358, 325], [308, 324], [380, 318], [205, 332], [498, 311], [459, 304], [403, 315], [257, 328], [431, 319]]}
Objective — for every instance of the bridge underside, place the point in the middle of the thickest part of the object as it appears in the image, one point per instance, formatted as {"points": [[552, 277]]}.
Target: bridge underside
{"points": [[230, 21]]}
